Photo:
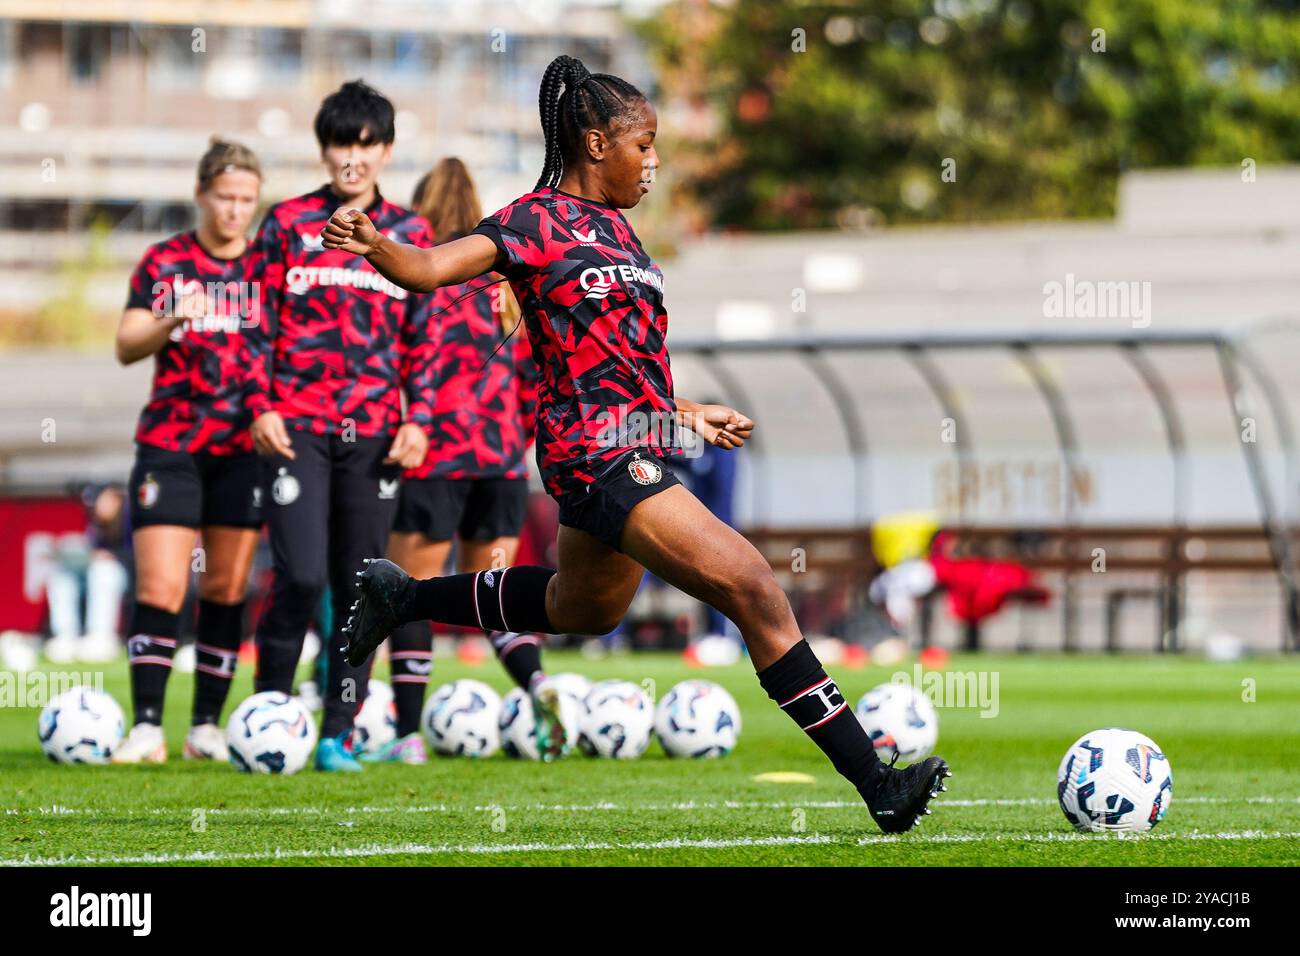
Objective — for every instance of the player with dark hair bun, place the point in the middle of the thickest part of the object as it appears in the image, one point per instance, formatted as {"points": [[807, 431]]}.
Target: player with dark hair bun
{"points": [[608, 426]]}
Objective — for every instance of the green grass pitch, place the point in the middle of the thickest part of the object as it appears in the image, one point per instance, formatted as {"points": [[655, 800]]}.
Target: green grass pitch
{"points": [[1236, 791]]}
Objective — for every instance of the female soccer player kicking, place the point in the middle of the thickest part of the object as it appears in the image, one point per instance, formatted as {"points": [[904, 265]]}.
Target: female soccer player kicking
{"points": [[607, 425], [190, 303], [473, 482]]}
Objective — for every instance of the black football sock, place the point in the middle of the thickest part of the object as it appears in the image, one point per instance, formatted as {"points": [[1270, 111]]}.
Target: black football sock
{"points": [[150, 649], [221, 628], [798, 683], [410, 656], [503, 599], [519, 654]]}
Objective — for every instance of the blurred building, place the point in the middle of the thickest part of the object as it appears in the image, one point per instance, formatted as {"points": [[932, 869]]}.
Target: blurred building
{"points": [[106, 106]]}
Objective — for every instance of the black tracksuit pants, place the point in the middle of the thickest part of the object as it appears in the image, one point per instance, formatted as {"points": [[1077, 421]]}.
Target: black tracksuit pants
{"points": [[326, 510]]}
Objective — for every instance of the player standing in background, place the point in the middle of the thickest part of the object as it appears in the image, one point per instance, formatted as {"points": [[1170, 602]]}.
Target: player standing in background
{"points": [[473, 482], [331, 358], [607, 423], [191, 306]]}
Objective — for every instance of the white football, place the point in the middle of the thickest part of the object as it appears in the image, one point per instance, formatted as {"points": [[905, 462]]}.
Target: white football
{"points": [[697, 718], [1114, 780], [81, 725], [461, 718], [517, 723], [576, 688], [617, 721], [571, 685], [376, 722], [900, 720], [270, 732]]}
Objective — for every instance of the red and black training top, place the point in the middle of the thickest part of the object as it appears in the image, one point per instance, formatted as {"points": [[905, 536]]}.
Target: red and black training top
{"points": [[335, 342], [486, 393], [197, 400], [593, 302]]}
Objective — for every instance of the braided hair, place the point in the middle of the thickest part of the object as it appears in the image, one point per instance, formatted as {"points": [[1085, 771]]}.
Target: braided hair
{"points": [[588, 101]]}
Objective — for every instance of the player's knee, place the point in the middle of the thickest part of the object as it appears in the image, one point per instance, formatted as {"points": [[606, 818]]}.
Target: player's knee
{"points": [[751, 593], [299, 588], [226, 591], [596, 622], [590, 618], [605, 622], [159, 594], [221, 588]]}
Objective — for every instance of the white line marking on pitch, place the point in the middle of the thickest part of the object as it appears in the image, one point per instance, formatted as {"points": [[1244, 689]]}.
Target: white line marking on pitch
{"points": [[420, 849], [1078, 837], [941, 803], [482, 849]]}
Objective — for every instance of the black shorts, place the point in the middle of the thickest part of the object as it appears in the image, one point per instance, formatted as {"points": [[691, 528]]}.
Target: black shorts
{"points": [[602, 508], [195, 490], [477, 509]]}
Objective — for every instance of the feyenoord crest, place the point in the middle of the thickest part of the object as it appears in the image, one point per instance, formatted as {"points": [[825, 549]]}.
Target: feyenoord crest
{"points": [[285, 488], [147, 495], [644, 471]]}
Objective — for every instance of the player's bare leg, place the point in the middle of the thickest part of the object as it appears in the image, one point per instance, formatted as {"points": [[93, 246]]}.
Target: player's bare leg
{"points": [[593, 585], [676, 537], [417, 555], [492, 553], [163, 557], [521, 654]]}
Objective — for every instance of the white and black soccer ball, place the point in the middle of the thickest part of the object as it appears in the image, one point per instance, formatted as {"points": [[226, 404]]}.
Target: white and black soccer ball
{"points": [[81, 725], [376, 722], [1114, 780], [617, 720], [572, 685], [518, 724], [900, 720], [270, 732], [697, 718], [461, 719]]}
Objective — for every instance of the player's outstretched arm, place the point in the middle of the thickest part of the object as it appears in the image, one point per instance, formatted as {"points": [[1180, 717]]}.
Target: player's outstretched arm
{"points": [[718, 425], [413, 268]]}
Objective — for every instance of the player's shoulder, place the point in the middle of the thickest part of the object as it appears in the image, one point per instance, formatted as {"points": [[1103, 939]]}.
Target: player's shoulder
{"points": [[175, 248], [538, 201], [563, 207], [531, 212], [308, 206]]}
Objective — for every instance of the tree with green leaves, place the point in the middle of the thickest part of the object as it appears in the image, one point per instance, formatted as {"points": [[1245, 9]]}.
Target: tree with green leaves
{"points": [[859, 112]]}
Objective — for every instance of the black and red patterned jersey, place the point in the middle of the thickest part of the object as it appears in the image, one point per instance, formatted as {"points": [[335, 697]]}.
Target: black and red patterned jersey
{"points": [[593, 302], [332, 352], [197, 400], [486, 393]]}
